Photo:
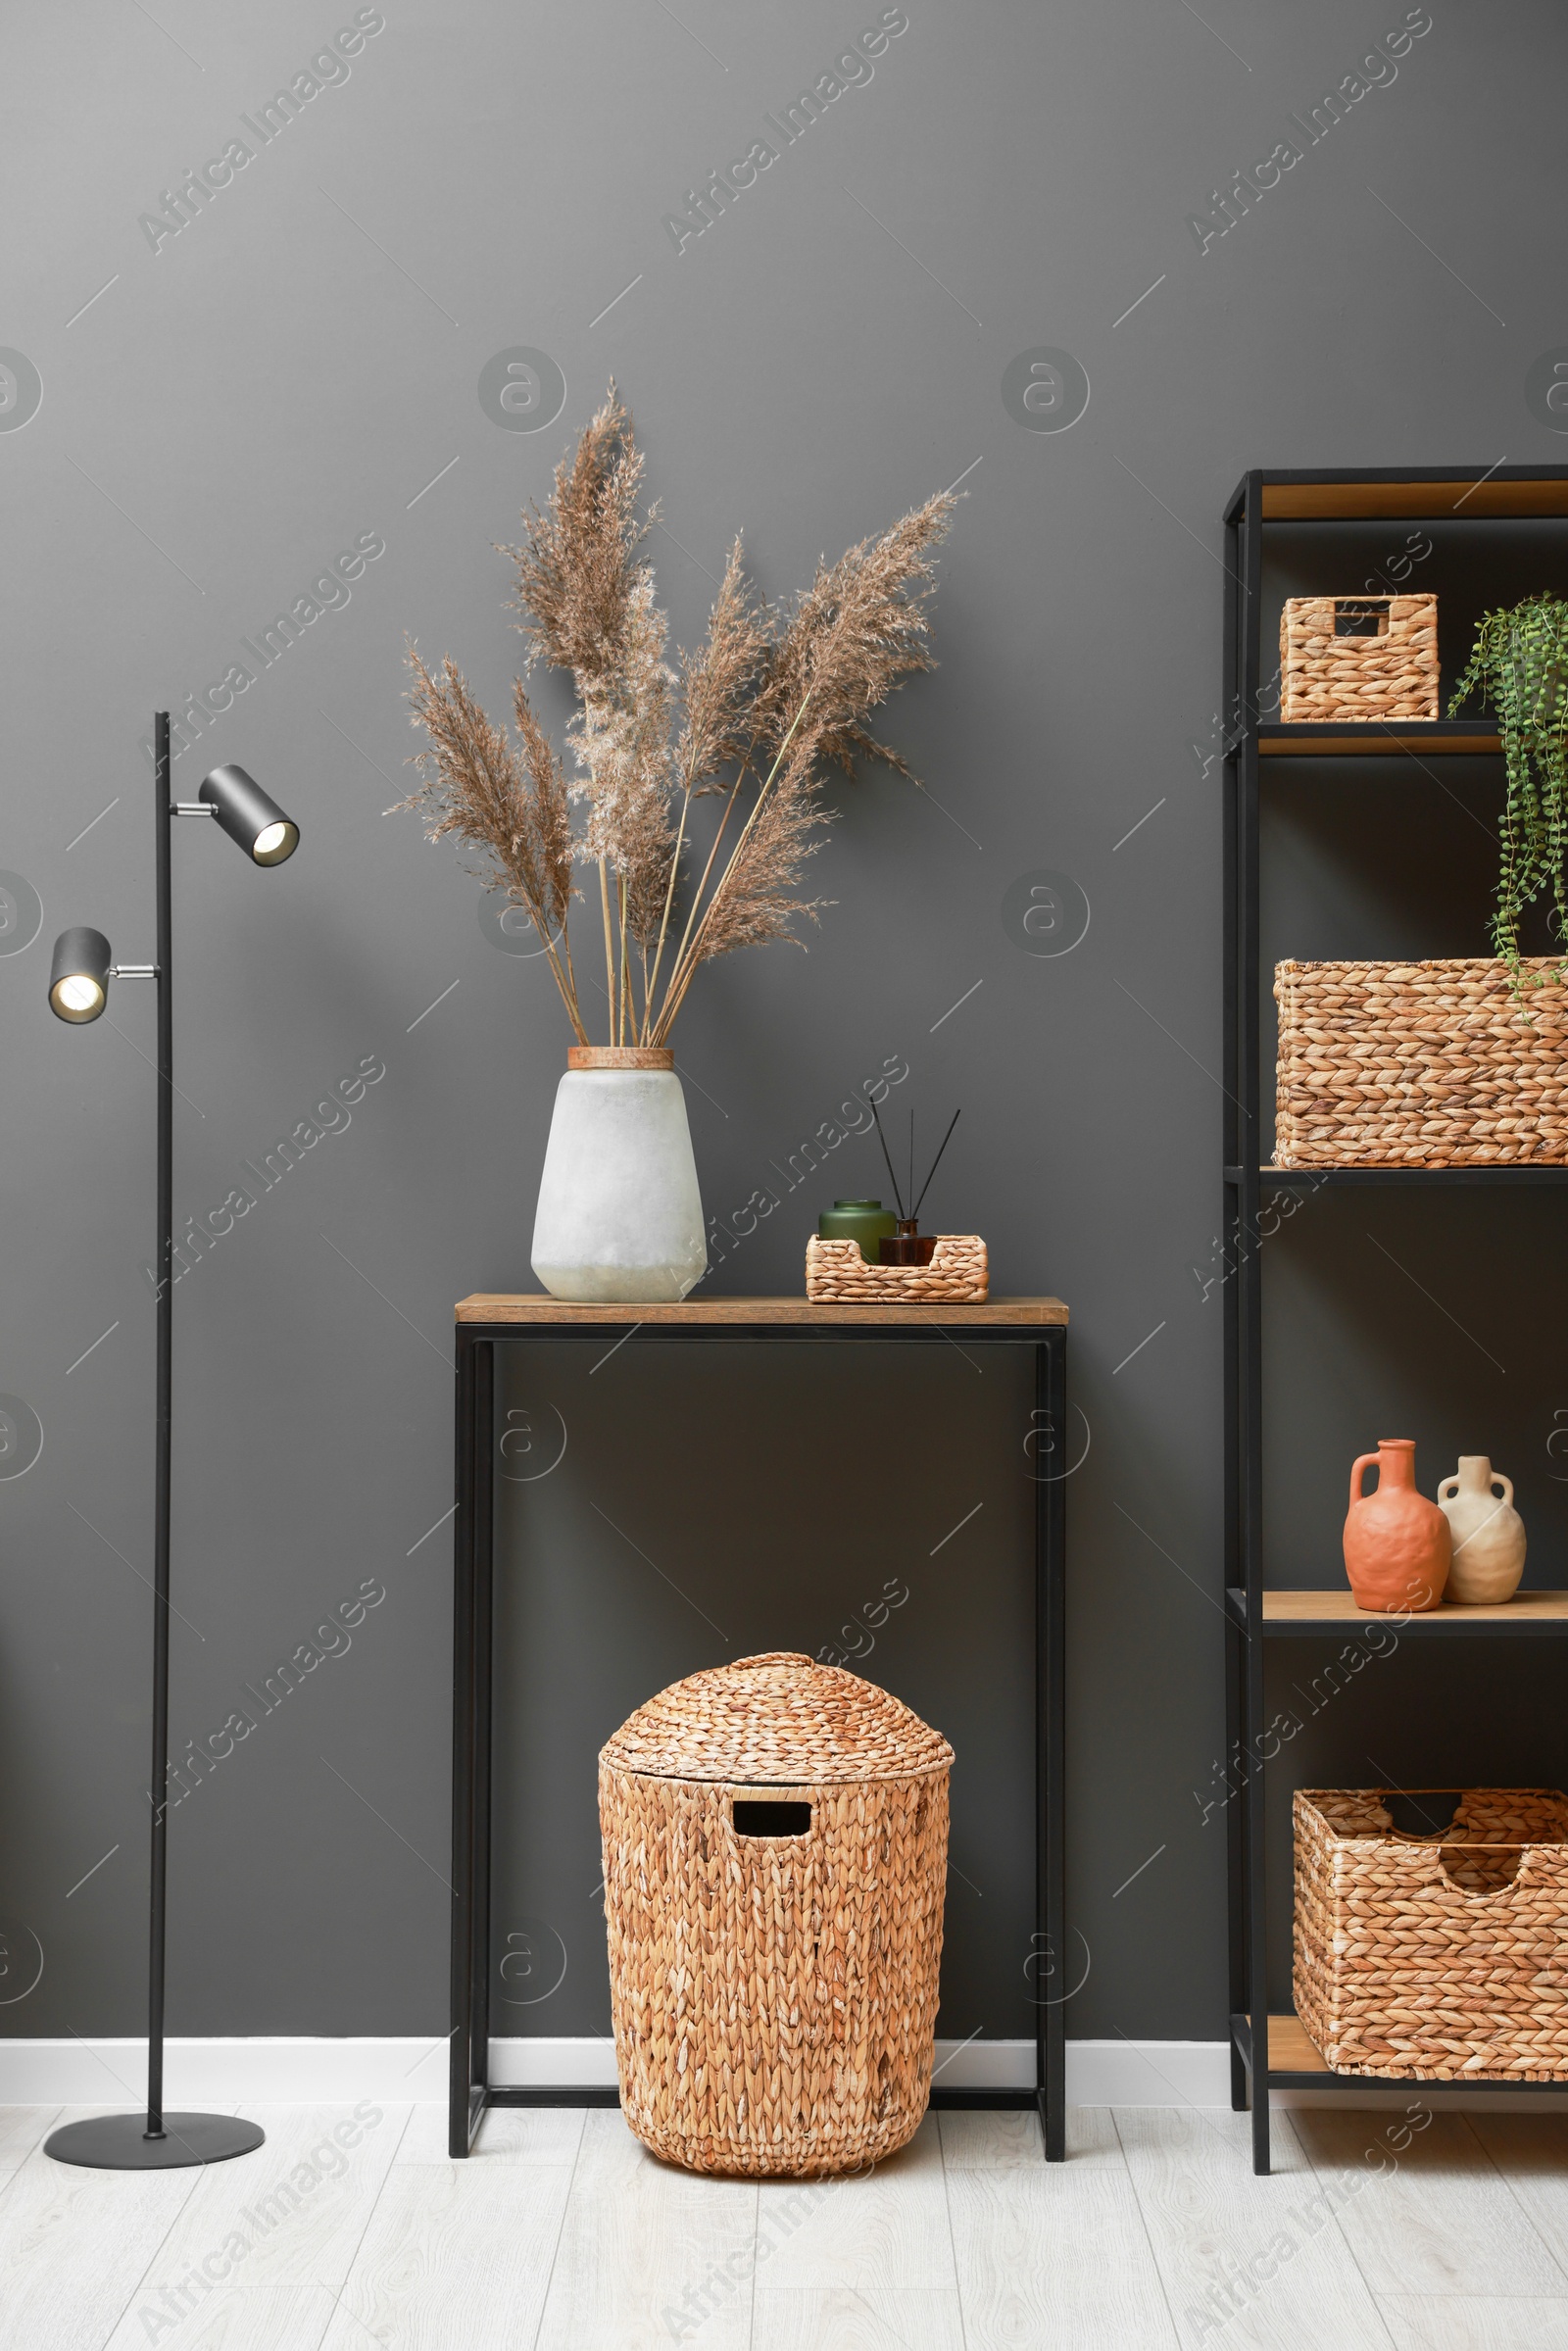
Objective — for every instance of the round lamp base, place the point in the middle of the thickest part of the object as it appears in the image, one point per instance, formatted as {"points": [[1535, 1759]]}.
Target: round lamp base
{"points": [[118, 2142]]}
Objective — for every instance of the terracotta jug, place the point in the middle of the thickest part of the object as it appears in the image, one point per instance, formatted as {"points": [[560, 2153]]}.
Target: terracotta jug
{"points": [[1396, 1544], [1488, 1536]]}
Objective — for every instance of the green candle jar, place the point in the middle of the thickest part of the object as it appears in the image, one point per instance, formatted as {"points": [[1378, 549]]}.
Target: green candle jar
{"points": [[863, 1220]]}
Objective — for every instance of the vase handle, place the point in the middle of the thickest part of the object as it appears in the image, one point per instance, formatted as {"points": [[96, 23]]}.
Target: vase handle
{"points": [[1357, 1470], [1497, 1479], [1447, 1491]]}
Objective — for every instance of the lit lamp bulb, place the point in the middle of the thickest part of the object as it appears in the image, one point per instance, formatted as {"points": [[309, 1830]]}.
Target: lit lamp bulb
{"points": [[274, 842], [79, 976]]}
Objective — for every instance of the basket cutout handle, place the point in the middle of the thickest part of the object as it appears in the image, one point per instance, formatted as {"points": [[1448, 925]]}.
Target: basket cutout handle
{"points": [[1500, 1875], [1362, 616], [1413, 1818], [770, 1816]]}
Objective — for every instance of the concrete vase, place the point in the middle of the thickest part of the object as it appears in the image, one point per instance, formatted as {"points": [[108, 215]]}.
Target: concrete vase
{"points": [[620, 1217]]}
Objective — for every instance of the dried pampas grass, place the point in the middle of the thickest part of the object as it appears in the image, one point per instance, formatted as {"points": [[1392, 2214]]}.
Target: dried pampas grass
{"points": [[767, 705]]}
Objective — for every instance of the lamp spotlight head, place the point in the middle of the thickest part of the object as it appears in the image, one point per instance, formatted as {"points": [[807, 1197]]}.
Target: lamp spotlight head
{"points": [[247, 816], [78, 976]]}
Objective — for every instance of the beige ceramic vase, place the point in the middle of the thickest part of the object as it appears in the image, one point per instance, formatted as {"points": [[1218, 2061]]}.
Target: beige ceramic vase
{"points": [[1489, 1535], [1396, 1544]]}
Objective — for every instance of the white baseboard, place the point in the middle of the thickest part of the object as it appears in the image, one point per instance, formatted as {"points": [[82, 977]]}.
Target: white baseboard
{"points": [[204, 2074], [396, 2072], [543, 2064], [1146, 2073]]}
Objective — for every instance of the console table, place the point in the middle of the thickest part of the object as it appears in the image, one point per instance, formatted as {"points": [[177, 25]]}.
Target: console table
{"points": [[484, 1323]]}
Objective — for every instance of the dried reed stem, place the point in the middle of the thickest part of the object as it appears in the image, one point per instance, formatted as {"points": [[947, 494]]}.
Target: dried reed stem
{"points": [[610, 991], [686, 962]]}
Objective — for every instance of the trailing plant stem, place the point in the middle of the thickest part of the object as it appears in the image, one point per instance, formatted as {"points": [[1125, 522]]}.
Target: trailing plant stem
{"points": [[1519, 664]]}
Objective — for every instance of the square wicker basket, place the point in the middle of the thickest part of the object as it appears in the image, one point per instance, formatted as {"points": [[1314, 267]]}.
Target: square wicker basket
{"points": [[1429, 1958], [1358, 657], [1437, 1064]]}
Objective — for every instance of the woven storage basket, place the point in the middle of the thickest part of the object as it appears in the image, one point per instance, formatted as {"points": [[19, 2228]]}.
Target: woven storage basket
{"points": [[959, 1273], [1323, 674], [1429, 1958], [1435, 1064], [773, 1980]]}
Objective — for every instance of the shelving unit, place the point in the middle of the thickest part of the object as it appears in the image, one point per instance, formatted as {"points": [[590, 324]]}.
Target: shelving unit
{"points": [[1255, 1614]]}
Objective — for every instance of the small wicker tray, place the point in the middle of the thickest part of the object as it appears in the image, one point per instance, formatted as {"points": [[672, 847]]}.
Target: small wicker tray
{"points": [[959, 1274]]}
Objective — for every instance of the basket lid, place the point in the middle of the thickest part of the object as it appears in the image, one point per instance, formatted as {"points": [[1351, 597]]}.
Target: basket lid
{"points": [[778, 1720]]}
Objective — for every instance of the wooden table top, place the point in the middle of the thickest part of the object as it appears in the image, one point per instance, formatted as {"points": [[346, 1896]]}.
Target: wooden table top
{"points": [[997, 1313]]}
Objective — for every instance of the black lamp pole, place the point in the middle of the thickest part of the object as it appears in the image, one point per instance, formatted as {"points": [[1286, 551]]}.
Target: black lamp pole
{"points": [[79, 991], [164, 1262]]}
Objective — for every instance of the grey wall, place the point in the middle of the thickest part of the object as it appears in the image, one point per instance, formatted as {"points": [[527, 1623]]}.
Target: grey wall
{"points": [[298, 369]]}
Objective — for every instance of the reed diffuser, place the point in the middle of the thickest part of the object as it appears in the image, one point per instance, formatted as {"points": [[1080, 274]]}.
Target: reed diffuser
{"points": [[908, 1245]]}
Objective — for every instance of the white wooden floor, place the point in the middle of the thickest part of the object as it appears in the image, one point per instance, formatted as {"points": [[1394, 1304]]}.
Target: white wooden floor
{"points": [[560, 2234]]}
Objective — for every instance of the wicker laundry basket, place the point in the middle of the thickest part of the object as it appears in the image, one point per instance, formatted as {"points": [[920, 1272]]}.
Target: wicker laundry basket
{"points": [[775, 1844], [1358, 657], [1438, 1064], [1431, 1958]]}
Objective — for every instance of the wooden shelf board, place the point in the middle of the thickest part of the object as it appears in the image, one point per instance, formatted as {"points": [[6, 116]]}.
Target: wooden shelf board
{"points": [[1448, 492], [1295, 2061], [1379, 738], [1290, 2051], [1298, 1611], [1311, 1179], [997, 1313]]}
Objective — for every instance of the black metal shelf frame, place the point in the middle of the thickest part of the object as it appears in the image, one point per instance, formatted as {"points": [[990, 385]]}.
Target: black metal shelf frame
{"points": [[1310, 2078], [1313, 1179], [471, 2090], [1477, 495]]}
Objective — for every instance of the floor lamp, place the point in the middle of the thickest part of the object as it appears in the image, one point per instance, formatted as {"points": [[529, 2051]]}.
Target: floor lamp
{"points": [[79, 991]]}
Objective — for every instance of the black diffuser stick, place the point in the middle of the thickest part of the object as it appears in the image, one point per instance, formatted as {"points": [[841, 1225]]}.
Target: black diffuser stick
{"points": [[936, 1162], [887, 1154]]}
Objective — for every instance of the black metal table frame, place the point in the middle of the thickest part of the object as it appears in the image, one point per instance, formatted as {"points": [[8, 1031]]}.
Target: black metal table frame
{"points": [[471, 2090]]}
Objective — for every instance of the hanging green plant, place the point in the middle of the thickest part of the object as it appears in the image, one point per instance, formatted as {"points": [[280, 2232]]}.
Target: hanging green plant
{"points": [[1519, 665]]}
